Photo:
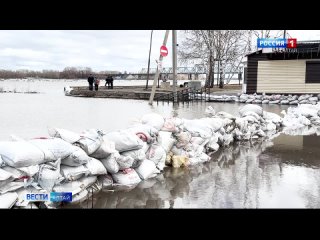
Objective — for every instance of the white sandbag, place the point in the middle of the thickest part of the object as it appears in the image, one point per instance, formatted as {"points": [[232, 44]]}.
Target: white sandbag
{"points": [[11, 187], [7, 171], [95, 167], [52, 148], [21, 201], [5, 177], [49, 175], [75, 186], [23, 172], [76, 158], [145, 147], [64, 134], [251, 107], [165, 140], [2, 163], [137, 155], [106, 181], [153, 119], [80, 197], [183, 138], [127, 177], [74, 173], [147, 169], [110, 163], [198, 128], [21, 154], [145, 132], [223, 114], [156, 154], [242, 124], [125, 141], [90, 140], [253, 114], [7, 200], [275, 118], [124, 162], [197, 140], [171, 124], [106, 148]]}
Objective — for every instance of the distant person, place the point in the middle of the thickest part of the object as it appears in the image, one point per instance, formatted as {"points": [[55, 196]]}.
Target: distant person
{"points": [[107, 82], [90, 81], [111, 82], [96, 84]]}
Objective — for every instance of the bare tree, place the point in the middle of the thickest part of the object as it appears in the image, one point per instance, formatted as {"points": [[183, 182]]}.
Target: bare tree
{"points": [[209, 47]]}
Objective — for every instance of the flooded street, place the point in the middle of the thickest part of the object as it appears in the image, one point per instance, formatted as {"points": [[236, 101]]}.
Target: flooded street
{"points": [[281, 173]]}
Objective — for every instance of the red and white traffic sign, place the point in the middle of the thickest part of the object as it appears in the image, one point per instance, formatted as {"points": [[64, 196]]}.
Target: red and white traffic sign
{"points": [[163, 51]]}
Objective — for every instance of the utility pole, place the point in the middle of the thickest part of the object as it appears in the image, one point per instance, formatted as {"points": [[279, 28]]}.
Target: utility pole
{"points": [[149, 60], [284, 33], [153, 91], [174, 64]]}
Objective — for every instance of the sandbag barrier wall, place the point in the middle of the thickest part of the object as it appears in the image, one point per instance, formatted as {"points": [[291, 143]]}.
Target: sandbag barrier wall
{"points": [[93, 160], [267, 99]]}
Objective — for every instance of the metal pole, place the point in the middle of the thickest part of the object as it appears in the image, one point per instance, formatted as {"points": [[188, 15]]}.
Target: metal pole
{"points": [[284, 33], [153, 91], [174, 64], [149, 59]]}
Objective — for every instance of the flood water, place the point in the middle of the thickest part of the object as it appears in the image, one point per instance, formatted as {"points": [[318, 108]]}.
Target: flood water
{"points": [[282, 173]]}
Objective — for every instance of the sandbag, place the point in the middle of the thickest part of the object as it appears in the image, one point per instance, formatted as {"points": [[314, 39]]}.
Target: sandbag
{"points": [[52, 148], [106, 181], [210, 112], [171, 124], [183, 138], [106, 148], [124, 162], [23, 172], [11, 187], [198, 127], [145, 132], [137, 155], [7, 200], [153, 119], [64, 134], [95, 167], [147, 169], [125, 141], [49, 175], [179, 161], [251, 107], [5, 177], [76, 158], [157, 154], [21, 154], [127, 177], [74, 173], [90, 140], [2, 163], [110, 163], [165, 140]]}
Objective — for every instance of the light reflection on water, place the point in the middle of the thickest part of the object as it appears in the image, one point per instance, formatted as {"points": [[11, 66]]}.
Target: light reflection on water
{"points": [[241, 176]]}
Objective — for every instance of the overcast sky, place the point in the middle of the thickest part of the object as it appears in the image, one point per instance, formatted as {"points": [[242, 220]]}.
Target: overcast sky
{"points": [[99, 49]]}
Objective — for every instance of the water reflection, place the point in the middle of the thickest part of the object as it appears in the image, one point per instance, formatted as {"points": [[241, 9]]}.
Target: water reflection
{"points": [[247, 175]]}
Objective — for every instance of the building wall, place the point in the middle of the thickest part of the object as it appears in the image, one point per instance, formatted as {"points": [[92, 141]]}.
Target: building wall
{"points": [[284, 76]]}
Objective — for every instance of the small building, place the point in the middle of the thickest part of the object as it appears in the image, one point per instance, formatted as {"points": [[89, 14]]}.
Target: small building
{"points": [[284, 71]]}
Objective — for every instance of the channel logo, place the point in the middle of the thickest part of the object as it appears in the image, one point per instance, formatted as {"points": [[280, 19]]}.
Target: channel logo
{"points": [[277, 43], [52, 197]]}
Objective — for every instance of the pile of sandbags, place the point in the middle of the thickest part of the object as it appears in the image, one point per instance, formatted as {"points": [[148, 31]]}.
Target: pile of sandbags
{"points": [[85, 163]]}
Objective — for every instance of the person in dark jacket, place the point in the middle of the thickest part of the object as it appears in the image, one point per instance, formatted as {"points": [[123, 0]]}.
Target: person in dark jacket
{"points": [[111, 82], [90, 81], [107, 82]]}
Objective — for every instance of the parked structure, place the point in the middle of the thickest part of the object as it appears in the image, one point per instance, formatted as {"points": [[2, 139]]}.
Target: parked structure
{"points": [[285, 71]]}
